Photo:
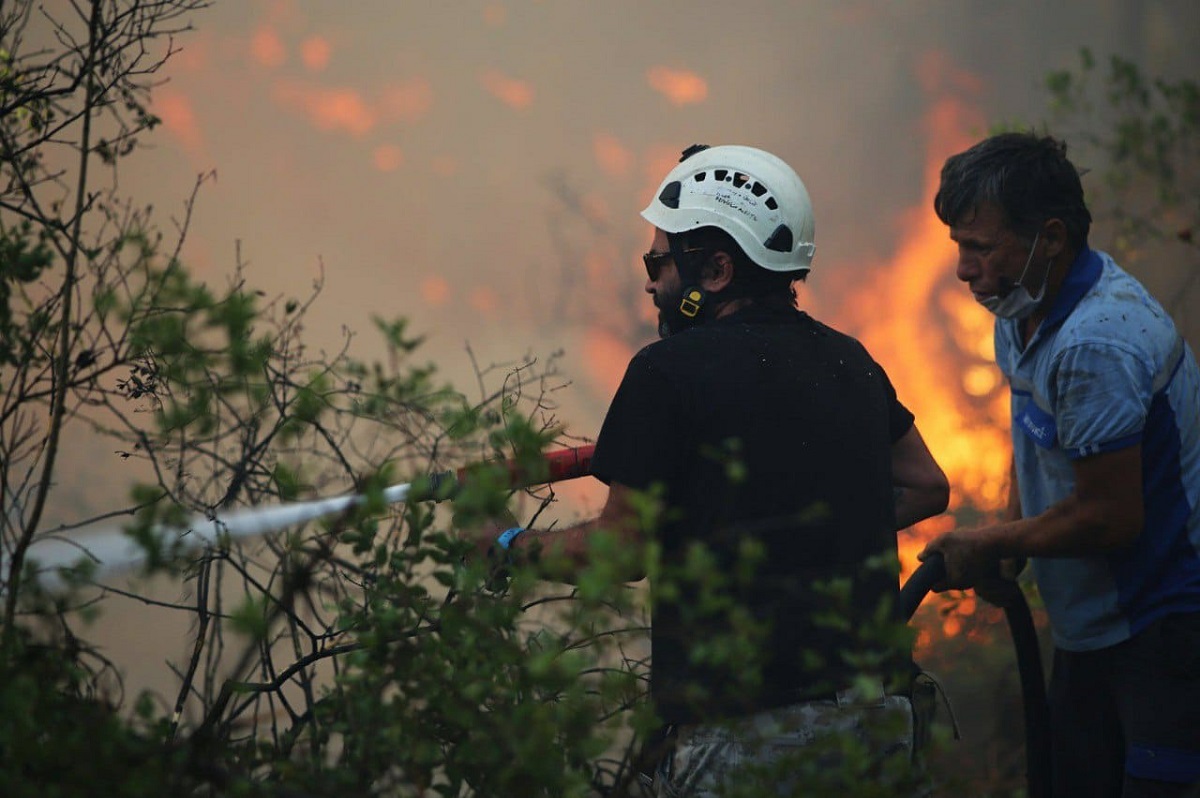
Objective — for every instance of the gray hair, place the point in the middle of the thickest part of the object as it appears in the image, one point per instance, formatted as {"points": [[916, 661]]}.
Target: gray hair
{"points": [[1027, 176]]}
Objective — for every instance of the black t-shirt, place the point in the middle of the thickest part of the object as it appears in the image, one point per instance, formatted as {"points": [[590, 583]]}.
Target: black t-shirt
{"points": [[771, 435]]}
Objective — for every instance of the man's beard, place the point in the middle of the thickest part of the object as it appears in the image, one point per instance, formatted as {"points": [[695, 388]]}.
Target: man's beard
{"points": [[670, 318]]}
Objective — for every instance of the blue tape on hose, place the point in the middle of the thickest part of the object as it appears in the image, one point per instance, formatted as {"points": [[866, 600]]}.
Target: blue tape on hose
{"points": [[507, 536]]}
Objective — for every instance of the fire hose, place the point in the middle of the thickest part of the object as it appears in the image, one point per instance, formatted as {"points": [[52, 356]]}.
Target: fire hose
{"points": [[1029, 668], [112, 550]]}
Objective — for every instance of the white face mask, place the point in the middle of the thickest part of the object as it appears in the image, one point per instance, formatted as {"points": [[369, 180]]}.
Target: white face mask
{"points": [[1018, 302]]}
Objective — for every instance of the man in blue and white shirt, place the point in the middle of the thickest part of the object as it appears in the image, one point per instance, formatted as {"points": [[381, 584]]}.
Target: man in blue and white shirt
{"points": [[1106, 469]]}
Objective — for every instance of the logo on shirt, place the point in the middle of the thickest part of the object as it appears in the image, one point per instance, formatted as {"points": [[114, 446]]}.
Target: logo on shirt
{"points": [[1038, 425]]}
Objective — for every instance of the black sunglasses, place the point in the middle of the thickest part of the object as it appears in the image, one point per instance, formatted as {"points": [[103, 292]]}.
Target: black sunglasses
{"points": [[656, 260]]}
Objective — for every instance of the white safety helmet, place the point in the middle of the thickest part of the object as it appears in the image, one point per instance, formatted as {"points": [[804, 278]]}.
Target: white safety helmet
{"points": [[750, 194]]}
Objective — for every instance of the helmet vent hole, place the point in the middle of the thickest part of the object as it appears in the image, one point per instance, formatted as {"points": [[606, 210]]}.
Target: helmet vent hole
{"points": [[670, 194], [721, 174], [700, 176], [740, 180], [771, 203], [758, 189], [780, 240]]}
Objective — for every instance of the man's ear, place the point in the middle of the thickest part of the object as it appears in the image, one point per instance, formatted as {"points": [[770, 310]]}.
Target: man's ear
{"points": [[717, 273], [1054, 233]]}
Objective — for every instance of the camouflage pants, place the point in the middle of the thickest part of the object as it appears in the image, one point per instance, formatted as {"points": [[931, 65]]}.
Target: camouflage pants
{"points": [[834, 747]]}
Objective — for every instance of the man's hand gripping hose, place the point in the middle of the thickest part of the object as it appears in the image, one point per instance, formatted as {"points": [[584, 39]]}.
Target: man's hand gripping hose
{"points": [[1007, 594]]}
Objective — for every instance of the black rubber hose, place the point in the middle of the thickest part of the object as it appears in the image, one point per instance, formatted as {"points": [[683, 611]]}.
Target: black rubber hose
{"points": [[1029, 666], [1033, 694], [928, 574]]}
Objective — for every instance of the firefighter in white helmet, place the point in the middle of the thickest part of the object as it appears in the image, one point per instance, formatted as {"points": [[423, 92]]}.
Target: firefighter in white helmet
{"points": [[778, 452], [752, 197]]}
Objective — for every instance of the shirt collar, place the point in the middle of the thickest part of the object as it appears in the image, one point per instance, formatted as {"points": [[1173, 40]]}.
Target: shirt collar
{"points": [[1083, 274], [758, 312]]}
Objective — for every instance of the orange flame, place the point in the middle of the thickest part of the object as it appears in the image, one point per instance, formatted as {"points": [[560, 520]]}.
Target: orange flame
{"points": [[923, 326]]}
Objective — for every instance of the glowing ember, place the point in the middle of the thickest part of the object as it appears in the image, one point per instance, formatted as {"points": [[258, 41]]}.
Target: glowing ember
{"points": [[267, 48], [680, 86], [342, 109], [315, 52], [435, 291], [179, 118]]}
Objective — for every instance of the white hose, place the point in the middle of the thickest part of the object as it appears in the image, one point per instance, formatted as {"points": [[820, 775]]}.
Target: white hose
{"points": [[112, 550]]}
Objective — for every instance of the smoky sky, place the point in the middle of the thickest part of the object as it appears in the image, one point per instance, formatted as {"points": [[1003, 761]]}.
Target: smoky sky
{"points": [[413, 149], [478, 167]]}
